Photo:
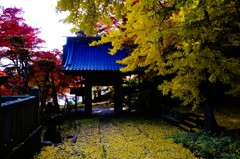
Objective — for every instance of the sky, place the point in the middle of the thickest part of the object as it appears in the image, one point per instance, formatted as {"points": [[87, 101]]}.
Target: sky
{"points": [[42, 14]]}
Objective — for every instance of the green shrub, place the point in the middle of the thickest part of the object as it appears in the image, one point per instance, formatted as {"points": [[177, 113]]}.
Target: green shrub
{"points": [[209, 146]]}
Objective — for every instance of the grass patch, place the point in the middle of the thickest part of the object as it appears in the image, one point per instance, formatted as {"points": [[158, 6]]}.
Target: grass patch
{"points": [[209, 146]]}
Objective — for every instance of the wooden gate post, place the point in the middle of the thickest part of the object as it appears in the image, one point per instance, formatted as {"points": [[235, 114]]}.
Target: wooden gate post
{"points": [[88, 98], [118, 96]]}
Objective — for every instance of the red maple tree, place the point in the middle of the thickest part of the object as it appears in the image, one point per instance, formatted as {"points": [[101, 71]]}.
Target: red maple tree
{"points": [[17, 41], [46, 74], [20, 45]]}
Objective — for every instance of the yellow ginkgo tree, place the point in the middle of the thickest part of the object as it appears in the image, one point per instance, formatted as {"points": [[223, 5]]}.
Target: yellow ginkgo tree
{"points": [[193, 45]]}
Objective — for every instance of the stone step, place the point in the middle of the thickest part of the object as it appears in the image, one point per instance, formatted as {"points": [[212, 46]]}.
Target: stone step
{"points": [[186, 121], [189, 123]]}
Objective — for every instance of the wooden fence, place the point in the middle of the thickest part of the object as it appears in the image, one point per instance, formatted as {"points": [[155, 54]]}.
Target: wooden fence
{"points": [[19, 120]]}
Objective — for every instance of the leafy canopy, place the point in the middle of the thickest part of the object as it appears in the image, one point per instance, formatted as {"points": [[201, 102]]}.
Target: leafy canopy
{"points": [[185, 42], [85, 14], [20, 45]]}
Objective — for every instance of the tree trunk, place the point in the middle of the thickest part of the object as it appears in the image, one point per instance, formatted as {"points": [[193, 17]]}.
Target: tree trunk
{"points": [[210, 123], [54, 96], [55, 102]]}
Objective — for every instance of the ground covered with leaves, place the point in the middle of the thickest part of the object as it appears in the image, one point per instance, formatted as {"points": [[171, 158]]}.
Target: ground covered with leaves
{"points": [[118, 138]]}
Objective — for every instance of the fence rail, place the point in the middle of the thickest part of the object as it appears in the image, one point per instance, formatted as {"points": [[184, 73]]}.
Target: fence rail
{"points": [[19, 117]]}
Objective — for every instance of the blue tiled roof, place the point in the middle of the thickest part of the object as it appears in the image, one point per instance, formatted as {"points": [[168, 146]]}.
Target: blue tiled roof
{"points": [[79, 56]]}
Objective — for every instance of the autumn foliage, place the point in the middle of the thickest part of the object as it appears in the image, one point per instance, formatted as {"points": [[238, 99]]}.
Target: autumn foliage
{"points": [[186, 43], [21, 48], [189, 47]]}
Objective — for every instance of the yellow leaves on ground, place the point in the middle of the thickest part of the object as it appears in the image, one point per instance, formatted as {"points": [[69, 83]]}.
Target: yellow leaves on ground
{"points": [[120, 138]]}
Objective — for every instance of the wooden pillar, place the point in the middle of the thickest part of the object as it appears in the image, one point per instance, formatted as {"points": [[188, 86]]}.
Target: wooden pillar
{"points": [[118, 96], [76, 104], [88, 98], [1, 130]]}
